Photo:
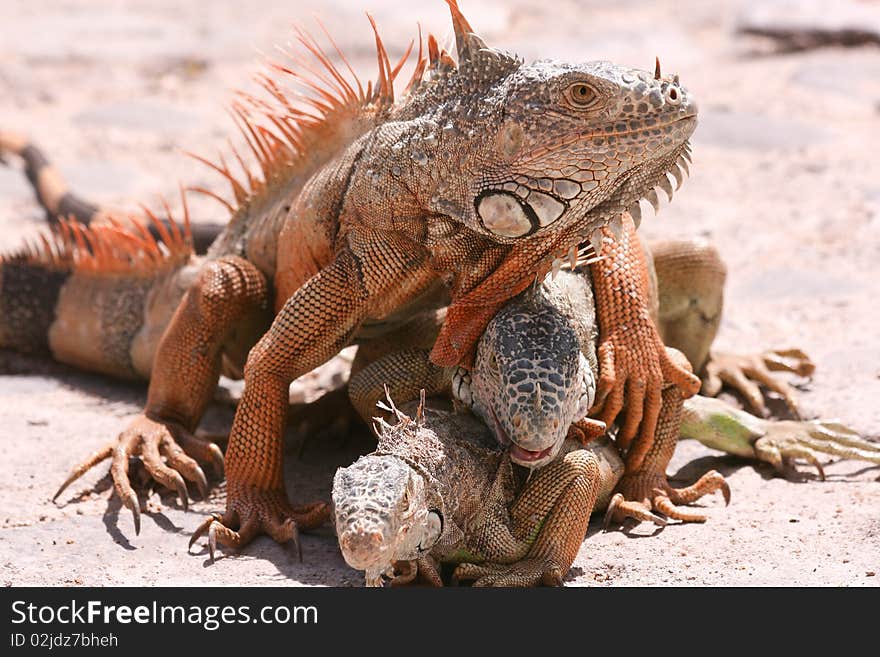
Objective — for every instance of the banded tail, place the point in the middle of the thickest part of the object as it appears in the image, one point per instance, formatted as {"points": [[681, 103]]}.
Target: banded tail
{"points": [[60, 203], [98, 298]]}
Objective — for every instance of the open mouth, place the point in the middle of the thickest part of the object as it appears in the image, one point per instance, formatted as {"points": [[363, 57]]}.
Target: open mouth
{"points": [[517, 453], [520, 455]]}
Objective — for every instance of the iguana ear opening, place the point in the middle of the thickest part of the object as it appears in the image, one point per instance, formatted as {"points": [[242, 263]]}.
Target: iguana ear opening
{"points": [[467, 43]]}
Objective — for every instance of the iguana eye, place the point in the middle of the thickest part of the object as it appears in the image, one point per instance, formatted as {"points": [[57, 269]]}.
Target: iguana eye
{"points": [[581, 95]]}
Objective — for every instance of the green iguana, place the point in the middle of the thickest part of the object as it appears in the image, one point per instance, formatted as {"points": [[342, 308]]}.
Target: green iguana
{"points": [[365, 210], [444, 488], [533, 400]]}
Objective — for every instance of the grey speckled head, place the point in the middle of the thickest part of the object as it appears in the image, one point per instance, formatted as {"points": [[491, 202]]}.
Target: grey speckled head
{"points": [[573, 136], [530, 380], [382, 515]]}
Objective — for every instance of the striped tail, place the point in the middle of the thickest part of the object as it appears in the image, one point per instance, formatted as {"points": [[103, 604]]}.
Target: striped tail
{"points": [[59, 202], [98, 298], [29, 290]]}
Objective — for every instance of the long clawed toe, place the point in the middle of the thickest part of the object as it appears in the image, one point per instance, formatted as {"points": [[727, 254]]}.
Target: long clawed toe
{"points": [[666, 500], [529, 572], [745, 373], [785, 443], [269, 514], [619, 509], [169, 455]]}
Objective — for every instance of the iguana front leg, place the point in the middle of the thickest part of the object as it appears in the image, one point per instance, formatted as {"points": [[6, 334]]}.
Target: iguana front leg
{"points": [[553, 510], [369, 277], [633, 363], [639, 494], [745, 372]]}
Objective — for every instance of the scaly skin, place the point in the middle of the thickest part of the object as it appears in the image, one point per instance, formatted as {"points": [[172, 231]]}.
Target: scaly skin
{"points": [[472, 184], [437, 490], [536, 366], [443, 471]]}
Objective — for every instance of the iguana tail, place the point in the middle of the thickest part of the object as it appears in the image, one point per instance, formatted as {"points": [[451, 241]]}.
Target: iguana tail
{"points": [[98, 298], [60, 202]]}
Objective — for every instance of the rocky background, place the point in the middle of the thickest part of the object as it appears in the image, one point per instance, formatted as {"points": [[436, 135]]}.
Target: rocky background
{"points": [[786, 180]]}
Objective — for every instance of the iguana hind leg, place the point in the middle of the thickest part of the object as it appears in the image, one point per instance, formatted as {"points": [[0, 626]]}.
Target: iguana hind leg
{"points": [[399, 359], [779, 442], [405, 373], [690, 281], [186, 371]]}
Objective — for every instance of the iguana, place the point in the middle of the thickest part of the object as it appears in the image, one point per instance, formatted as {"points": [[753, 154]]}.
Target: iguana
{"points": [[364, 211], [440, 489], [540, 366]]}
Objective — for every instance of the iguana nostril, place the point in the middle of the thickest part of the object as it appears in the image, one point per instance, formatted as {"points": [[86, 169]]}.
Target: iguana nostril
{"points": [[355, 542]]}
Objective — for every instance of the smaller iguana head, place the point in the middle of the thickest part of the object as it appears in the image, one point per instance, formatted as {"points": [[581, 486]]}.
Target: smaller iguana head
{"points": [[382, 515], [529, 382]]}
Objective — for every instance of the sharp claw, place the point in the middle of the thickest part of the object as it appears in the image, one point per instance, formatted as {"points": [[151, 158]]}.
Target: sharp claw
{"points": [[609, 513], [821, 470], [201, 529], [181, 491], [201, 483], [216, 459], [725, 491], [212, 541], [296, 543], [660, 522], [130, 501], [60, 490]]}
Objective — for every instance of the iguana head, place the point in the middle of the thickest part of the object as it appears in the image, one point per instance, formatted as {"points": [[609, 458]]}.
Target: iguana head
{"points": [[383, 515], [550, 147], [530, 380]]}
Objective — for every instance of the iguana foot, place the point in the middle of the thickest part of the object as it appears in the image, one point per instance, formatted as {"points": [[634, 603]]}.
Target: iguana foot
{"points": [[423, 570], [540, 571], [586, 430], [169, 453], [787, 441], [745, 372], [255, 512], [640, 496]]}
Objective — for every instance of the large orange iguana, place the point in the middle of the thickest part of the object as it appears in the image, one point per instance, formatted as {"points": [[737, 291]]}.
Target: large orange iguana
{"points": [[366, 210]]}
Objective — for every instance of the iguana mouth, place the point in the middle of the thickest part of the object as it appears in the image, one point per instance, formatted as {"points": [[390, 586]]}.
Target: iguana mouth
{"points": [[518, 454], [525, 456]]}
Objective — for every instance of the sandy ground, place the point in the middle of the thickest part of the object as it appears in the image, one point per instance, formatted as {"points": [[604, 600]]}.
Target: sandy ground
{"points": [[786, 181]]}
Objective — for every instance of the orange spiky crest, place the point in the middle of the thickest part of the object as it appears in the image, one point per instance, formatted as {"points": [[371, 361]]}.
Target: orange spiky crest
{"points": [[120, 246], [291, 133]]}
